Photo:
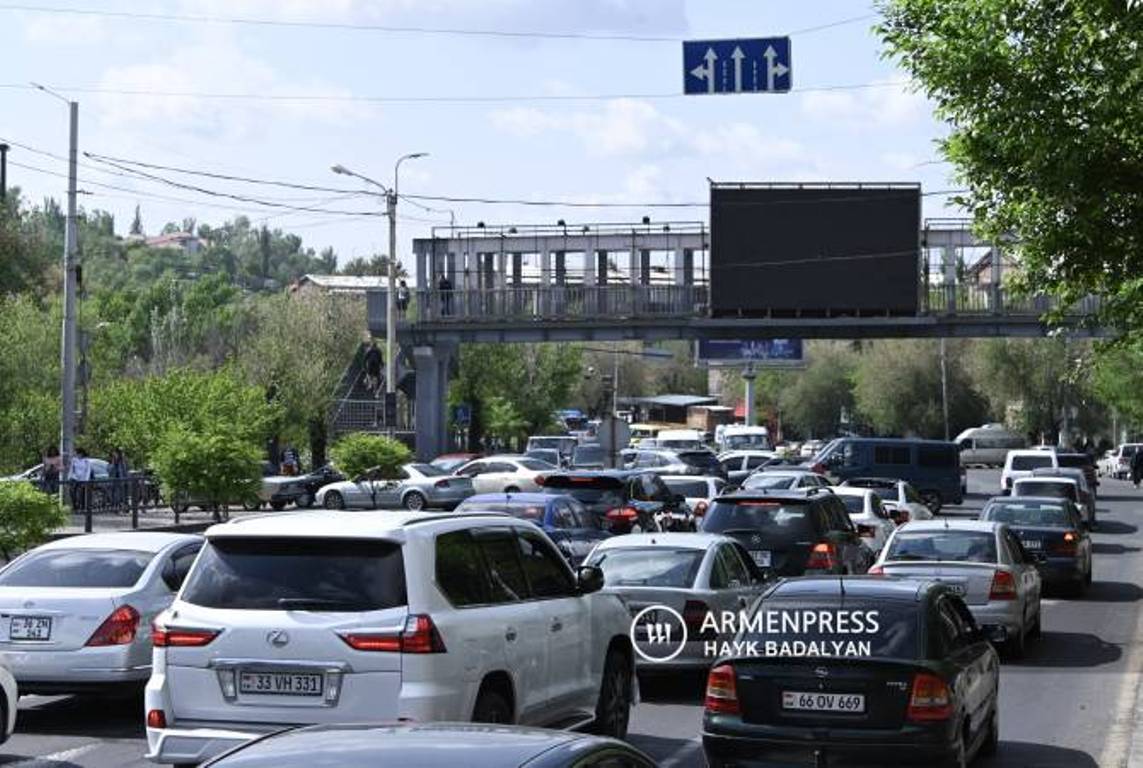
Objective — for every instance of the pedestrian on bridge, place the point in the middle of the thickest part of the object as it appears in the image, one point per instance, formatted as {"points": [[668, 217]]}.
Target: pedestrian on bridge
{"points": [[444, 285], [373, 368], [402, 299]]}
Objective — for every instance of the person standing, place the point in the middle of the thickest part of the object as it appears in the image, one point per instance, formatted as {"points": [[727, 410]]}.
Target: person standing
{"points": [[79, 476], [117, 471], [444, 285], [1137, 467], [402, 299], [53, 464], [373, 368], [291, 462]]}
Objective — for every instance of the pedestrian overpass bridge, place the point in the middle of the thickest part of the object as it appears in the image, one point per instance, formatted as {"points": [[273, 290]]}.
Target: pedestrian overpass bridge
{"points": [[650, 282]]}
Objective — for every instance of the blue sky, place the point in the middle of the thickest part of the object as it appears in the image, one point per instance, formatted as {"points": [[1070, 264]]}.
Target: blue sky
{"points": [[634, 149]]}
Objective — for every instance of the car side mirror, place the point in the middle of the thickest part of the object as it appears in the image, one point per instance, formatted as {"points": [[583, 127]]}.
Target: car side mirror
{"points": [[997, 634], [589, 579]]}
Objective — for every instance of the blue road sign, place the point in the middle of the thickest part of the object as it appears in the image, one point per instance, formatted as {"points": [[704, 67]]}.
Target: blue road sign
{"points": [[763, 352], [758, 65]]}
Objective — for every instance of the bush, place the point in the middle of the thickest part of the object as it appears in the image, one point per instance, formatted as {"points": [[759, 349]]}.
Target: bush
{"points": [[207, 468], [356, 453], [27, 517]]}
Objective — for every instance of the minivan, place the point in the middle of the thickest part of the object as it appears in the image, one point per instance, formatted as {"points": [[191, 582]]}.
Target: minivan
{"points": [[932, 466], [987, 445]]}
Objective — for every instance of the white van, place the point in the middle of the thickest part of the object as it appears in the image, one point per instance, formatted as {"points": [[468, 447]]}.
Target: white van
{"points": [[739, 437], [680, 439], [988, 445], [1021, 463]]}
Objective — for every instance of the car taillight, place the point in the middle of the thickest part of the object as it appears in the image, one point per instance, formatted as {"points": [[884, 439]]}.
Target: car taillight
{"points": [[823, 557], [170, 637], [156, 718], [1003, 586], [539, 480], [866, 531], [419, 635], [930, 699], [694, 614], [876, 570], [818, 468], [622, 514], [119, 628], [1068, 545], [441, 484], [722, 691]]}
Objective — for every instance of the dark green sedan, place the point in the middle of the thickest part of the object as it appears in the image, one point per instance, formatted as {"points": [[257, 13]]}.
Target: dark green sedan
{"points": [[848, 671]]}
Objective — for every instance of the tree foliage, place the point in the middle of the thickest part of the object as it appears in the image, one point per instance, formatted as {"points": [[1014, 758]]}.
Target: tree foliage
{"points": [[813, 403], [208, 465], [1045, 103], [27, 517], [356, 453]]}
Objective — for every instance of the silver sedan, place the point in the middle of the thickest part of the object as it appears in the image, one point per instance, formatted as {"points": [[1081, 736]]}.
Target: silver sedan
{"points": [[76, 613], [983, 561], [421, 486], [696, 575]]}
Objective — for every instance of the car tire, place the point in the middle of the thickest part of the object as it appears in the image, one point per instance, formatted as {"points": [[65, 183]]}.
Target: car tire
{"points": [[491, 707], [511, 489], [991, 743], [1037, 628], [334, 500], [613, 709], [932, 500], [1017, 645], [415, 501], [252, 506], [277, 505]]}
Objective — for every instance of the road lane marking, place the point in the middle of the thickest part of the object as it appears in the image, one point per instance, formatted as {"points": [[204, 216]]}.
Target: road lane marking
{"points": [[693, 746], [63, 756], [1122, 730]]}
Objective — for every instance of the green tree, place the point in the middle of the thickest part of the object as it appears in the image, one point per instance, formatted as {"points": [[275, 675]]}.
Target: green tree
{"points": [[377, 266], [503, 422], [357, 453], [813, 403], [898, 389], [211, 465], [27, 518], [1044, 101], [29, 379]]}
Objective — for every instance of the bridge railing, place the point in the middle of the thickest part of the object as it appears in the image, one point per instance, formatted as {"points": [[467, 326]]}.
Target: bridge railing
{"points": [[561, 302], [971, 299]]}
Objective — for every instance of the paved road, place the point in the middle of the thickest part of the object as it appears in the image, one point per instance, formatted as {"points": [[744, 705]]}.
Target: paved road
{"points": [[1069, 703]]}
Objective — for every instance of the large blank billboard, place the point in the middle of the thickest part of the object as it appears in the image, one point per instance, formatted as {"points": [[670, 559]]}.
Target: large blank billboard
{"points": [[814, 250]]}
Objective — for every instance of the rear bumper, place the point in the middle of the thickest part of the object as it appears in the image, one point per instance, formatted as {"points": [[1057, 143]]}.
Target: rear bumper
{"points": [[1006, 614], [771, 746], [82, 669], [191, 746], [1061, 570]]}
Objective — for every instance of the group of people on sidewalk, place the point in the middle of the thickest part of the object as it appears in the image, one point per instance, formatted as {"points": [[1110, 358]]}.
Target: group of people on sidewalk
{"points": [[81, 478]]}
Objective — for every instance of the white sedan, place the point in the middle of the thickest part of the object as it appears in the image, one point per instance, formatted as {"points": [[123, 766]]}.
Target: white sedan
{"points": [[868, 514], [898, 496], [506, 474], [75, 614], [698, 490]]}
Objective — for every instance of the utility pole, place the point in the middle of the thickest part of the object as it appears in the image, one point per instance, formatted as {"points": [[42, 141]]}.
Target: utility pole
{"points": [[70, 325], [945, 387], [748, 375], [3, 172], [391, 308]]}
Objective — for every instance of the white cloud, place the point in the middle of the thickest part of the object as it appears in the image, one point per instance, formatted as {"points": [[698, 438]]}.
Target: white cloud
{"points": [[889, 105], [748, 143], [64, 30]]}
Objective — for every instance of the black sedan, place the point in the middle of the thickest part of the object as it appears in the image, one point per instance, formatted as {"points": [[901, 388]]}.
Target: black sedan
{"points": [[431, 745], [850, 671], [1052, 531]]}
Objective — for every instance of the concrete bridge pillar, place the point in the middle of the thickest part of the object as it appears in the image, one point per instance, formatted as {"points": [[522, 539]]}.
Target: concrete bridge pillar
{"points": [[432, 365]]}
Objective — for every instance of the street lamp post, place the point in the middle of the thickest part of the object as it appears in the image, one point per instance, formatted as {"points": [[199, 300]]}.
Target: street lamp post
{"points": [[391, 281]]}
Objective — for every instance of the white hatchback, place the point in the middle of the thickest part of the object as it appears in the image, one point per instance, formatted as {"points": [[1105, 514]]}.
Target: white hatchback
{"points": [[74, 613], [868, 514], [338, 618]]}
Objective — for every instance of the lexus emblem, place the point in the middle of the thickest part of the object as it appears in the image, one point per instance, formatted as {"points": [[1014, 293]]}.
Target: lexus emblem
{"points": [[755, 539], [278, 638], [821, 672]]}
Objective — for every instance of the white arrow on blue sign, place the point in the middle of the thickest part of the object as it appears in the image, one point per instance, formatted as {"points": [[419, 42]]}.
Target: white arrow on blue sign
{"points": [[757, 65]]}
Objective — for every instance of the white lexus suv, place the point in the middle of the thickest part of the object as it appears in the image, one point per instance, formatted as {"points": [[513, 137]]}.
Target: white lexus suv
{"points": [[341, 618]]}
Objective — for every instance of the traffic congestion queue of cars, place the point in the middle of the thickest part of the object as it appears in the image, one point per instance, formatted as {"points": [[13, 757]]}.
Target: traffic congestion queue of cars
{"points": [[517, 609]]}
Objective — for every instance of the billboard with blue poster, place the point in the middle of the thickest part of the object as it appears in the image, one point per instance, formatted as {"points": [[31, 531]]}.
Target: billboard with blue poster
{"points": [[760, 352]]}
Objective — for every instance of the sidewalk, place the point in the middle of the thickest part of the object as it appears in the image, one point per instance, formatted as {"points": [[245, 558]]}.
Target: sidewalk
{"points": [[149, 520]]}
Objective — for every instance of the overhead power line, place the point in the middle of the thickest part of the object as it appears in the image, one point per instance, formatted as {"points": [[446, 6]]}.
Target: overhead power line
{"points": [[426, 99], [383, 28]]}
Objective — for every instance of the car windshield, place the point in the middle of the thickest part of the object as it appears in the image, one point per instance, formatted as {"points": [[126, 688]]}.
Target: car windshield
{"points": [[648, 566], [886, 629], [317, 574], [536, 465], [1028, 463], [946, 545], [588, 454], [701, 459], [769, 480], [688, 488], [1044, 488], [855, 505], [1033, 513], [449, 465], [525, 511], [556, 443], [775, 519], [746, 442], [77, 568], [428, 470]]}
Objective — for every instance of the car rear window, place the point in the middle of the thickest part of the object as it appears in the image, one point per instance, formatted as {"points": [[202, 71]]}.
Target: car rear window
{"points": [[272, 574], [743, 442], [854, 505], [591, 454], [525, 511], [536, 465], [648, 566], [947, 545], [597, 493], [428, 470], [1044, 488], [1026, 463], [1048, 515], [769, 480], [92, 568], [703, 459], [779, 520], [689, 488], [891, 629], [1077, 461]]}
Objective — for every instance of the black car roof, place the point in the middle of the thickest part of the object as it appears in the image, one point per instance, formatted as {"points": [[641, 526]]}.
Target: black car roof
{"points": [[763, 495], [855, 587]]}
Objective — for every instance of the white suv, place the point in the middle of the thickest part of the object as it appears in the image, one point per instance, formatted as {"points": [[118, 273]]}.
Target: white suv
{"points": [[342, 618], [1020, 463]]}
